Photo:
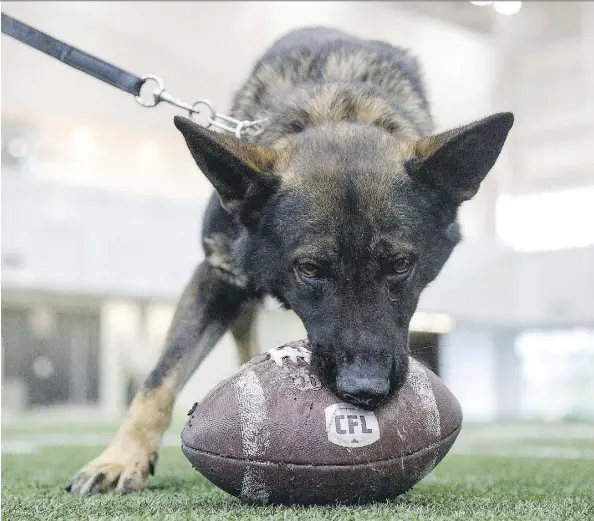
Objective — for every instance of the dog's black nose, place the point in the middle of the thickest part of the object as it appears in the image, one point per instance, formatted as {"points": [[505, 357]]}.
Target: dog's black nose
{"points": [[364, 393]]}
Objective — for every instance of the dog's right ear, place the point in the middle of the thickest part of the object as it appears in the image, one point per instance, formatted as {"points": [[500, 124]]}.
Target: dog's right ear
{"points": [[242, 173]]}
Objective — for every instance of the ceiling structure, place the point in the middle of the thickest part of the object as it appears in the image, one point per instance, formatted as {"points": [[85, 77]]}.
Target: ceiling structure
{"points": [[206, 49], [200, 49], [460, 13]]}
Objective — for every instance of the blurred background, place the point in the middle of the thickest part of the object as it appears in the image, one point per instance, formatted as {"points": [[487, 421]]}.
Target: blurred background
{"points": [[102, 203]]}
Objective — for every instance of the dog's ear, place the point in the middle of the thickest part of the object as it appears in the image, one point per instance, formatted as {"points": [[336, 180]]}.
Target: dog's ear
{"points": [[455, 162], [241, 172]]}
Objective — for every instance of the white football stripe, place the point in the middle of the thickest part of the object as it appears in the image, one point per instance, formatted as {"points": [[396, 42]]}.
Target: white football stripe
{"points": [[252, 411], [254, 435], [419, 381], [253, 486]]}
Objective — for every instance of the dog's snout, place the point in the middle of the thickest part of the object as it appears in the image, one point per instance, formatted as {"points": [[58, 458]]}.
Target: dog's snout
{"points": [[363, 392]]}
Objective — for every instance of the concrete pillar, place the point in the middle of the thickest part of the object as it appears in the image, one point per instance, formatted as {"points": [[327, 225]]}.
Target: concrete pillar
{"points": [[587, 43], [509, 46], [120, 321], [155, 326], [508, 375], [466, 360], [480, 365]]}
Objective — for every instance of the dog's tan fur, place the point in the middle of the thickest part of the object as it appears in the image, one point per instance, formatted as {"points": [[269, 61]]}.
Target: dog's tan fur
{"points": [[131, 456]]}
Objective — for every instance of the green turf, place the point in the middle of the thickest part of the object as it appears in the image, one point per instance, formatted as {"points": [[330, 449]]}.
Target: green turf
{"points": [[30, 425], [465, 488], [24, 429]]}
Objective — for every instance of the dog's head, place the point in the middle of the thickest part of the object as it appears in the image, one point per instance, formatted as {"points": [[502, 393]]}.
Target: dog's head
{"points": [[347, 225]]}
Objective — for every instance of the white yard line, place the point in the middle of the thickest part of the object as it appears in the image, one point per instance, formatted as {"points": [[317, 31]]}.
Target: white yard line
{"points": [[495, 431], [526, 451], [29, 444]]}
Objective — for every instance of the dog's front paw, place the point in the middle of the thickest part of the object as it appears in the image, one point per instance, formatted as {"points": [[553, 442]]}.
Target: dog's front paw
{"points": [[118, 469]]}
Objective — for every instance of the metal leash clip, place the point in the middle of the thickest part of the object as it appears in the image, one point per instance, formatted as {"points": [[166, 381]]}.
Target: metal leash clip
{"points": [[214, 119]]}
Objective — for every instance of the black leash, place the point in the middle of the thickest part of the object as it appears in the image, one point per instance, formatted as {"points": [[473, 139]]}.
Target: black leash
{"points": [[72, 56], [124, 80]]}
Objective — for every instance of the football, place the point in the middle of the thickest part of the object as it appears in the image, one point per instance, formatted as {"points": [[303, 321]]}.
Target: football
{"points": [[272, 434]]}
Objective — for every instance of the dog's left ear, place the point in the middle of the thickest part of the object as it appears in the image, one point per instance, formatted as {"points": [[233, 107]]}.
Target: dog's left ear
{"points": [[455, 162], [241, 172]]}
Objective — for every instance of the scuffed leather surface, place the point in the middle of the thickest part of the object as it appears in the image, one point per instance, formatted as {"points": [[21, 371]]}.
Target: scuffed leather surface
{"points": [[322, 484], [299, 453]]}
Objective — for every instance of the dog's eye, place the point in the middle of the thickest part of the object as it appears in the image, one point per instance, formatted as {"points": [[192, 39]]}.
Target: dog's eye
{"points": [[307, 269], [400, 266]]}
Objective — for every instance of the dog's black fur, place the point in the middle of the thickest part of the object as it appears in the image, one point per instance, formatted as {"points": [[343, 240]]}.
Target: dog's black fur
{"points": [[344, 209]]}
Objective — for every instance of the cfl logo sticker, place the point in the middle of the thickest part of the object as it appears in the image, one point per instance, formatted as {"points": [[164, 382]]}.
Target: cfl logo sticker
{"points": [[349, 426]]}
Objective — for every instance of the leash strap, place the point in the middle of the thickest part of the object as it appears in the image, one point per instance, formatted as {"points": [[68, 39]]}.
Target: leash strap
{"points": [[125, 81], [72, 56]]}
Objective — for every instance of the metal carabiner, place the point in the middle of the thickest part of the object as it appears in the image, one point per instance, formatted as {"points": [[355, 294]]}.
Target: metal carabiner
{"points": [[214, 119]]}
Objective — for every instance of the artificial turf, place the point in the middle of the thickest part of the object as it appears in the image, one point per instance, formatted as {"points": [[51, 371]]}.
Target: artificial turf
{"points": [[463, 487]]}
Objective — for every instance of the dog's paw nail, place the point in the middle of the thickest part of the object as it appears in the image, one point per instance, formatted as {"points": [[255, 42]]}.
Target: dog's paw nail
{"points": [[153, 463], [95, 485], [127, 486]]}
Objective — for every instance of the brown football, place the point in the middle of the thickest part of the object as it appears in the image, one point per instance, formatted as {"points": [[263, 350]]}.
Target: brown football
{"points": [[272, 434]]}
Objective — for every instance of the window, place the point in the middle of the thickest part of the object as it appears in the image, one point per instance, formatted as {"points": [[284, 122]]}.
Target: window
{"points": [[557, 368], [547, 221]]}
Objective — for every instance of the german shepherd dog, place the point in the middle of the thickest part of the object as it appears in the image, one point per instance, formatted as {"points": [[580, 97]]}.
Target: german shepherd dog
{"points": [[344, 209]]}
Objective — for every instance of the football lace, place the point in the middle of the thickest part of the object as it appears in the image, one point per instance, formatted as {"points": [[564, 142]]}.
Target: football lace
{"points": [[293, 353]]}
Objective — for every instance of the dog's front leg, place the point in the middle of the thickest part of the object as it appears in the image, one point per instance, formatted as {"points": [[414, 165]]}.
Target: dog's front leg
{"points": [[209, 306]]}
